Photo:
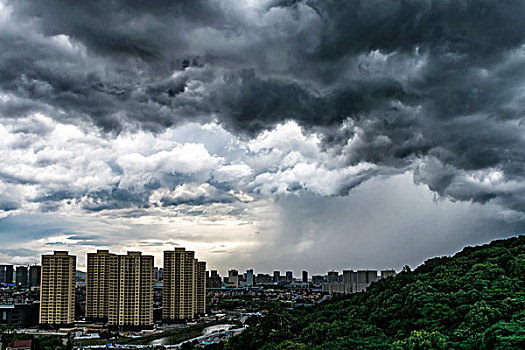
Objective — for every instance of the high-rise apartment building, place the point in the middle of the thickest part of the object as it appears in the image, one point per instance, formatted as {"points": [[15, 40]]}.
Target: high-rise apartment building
{"points": [[57, 291], [184, 294], [318, 280], [289, 276], [101, 282], [200, 288], [305, 276], [35, 274], [21, 276], [119, 289], [131, 303], [333, 277], [6, 273], [233, 278], [249, 277], [348, 281], [276, 276]]}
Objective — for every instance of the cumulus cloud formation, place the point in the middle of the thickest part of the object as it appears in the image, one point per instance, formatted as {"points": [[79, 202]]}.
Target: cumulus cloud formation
{"points": [[54, 167], [435, 87]]}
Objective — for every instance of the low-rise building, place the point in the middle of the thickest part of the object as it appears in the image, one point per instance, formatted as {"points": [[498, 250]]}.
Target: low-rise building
{"points": [[19, 315]]}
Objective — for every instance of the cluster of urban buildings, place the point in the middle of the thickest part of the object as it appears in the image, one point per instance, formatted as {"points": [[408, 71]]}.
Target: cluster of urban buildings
{"points": [[127, 292], [25, 276], [119, 288], [352, 281], [248, 279], [348, 282], [19, 308]]}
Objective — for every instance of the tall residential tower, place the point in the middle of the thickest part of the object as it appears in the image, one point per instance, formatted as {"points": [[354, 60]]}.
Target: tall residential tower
{"points": [[6, 273], [184, 294], [101, 284], [35, 275], [132, 306], [57, 291], [120, 289]]}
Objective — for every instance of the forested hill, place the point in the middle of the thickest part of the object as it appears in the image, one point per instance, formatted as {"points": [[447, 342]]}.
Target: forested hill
{"points": [[473, 300]]}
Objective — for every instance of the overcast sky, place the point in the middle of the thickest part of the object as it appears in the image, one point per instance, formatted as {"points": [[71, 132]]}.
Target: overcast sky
{"points": [[266, 134]]}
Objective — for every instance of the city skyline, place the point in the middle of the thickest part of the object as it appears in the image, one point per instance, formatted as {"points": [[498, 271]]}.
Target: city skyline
{"points": [[297, 274], [105, 261], [262, 134]]}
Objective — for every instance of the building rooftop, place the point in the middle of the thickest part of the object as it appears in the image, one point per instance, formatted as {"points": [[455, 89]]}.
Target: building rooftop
{"points": [[21, 344]]}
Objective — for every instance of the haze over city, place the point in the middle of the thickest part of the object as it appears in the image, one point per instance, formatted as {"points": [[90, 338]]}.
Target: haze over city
{"points": [[263, 134]]}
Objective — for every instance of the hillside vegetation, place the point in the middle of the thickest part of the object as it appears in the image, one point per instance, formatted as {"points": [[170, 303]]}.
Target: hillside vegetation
{"points": [[473, 300]]}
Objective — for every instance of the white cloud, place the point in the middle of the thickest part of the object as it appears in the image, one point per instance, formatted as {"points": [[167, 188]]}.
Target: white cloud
{"points": [[191, 159], [232, 172], [286, 138], [45, 160]]}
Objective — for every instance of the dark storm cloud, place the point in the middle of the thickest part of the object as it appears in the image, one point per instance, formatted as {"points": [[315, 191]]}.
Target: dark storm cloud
{"points": [[432, 86], [115, 198], [127, 28]]}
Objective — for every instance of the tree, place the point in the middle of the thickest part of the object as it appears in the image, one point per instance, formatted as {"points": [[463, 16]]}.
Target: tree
{"points": [[422, 340]]}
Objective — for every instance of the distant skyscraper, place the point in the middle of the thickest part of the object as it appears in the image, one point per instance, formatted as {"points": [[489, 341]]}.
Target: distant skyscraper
{"points": [[131, 303], [318, 279], [102, 281], [348, 281], [289, 276], [214, 281], [333, 277], [233, 277], [57, 292], [184, 294], [305, 276], [159, 274], [249, 277], [21, 276], [35, 274], [276, 276], [6, 273]]}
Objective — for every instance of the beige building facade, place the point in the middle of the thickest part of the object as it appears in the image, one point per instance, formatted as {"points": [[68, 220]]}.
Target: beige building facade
{"points": [[120, 289], [57, 289], [200, 289], [132, 306], [101, 283], [184, 293]]}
